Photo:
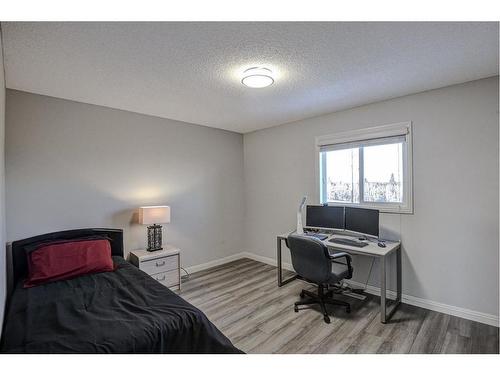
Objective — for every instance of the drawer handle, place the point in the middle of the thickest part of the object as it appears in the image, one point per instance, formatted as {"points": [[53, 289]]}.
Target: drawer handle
{"points": [[160, 264], [160, 279]]}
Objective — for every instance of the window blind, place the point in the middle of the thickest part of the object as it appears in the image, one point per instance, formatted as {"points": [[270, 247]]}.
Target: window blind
{"points": [[363, 143]]}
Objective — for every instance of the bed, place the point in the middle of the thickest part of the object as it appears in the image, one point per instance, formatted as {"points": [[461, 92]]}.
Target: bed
{"points": [[124, 311]]}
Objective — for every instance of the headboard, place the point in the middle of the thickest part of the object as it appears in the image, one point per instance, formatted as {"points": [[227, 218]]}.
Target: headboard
{"points": [[19, 262]]}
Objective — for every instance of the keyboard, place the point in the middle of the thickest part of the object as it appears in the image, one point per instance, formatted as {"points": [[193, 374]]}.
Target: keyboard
{"points": [[346, 241], [319, 236]]}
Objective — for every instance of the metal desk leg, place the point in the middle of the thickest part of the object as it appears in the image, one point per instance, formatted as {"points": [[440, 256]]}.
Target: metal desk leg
{"points": [[281, 282], [383, 290], [384, 314], [278, 258], [399, 266]]}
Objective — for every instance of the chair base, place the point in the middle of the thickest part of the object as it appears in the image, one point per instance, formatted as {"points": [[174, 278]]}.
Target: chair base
{"points": [[322, 299]]}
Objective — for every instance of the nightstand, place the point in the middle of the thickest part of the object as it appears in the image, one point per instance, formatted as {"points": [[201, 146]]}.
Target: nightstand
{"points": [[163, 265]]}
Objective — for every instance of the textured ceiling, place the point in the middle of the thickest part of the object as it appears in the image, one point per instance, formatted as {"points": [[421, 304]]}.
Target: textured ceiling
{"points": [[191, 71]]}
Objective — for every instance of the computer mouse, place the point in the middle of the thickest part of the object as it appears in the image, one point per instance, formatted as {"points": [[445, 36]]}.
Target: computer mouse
{"points": [[381, 244]]}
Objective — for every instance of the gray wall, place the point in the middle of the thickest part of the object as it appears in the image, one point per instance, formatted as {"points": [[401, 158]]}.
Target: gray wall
{"points": [[73, 165], [3, 281], [450, 243]]}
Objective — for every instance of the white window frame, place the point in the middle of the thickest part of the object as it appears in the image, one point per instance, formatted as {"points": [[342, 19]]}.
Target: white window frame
{"points": [[370, 134]]}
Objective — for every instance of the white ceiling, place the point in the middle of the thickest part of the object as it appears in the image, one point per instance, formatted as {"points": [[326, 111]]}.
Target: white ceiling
{"points": [[191, 71]]}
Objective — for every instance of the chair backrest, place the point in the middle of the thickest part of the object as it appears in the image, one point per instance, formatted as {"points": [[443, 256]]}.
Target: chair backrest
{"points": [[310, 258]]}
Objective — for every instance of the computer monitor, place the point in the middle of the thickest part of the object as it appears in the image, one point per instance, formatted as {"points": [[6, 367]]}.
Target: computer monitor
{"points": [[362, 220], [330, 217]]}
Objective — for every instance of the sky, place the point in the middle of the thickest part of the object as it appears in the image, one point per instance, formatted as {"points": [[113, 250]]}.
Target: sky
{"points": [[380, 161]]}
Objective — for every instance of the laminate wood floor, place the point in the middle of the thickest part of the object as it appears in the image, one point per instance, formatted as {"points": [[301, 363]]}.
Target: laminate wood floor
{"points": [[243, 300]]}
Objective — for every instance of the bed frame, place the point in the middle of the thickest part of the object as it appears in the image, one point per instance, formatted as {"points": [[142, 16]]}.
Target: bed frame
{"points": [[19, 263]]}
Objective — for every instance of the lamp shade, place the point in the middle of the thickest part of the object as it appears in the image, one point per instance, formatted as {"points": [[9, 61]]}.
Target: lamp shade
{"points": [[154, 215]]}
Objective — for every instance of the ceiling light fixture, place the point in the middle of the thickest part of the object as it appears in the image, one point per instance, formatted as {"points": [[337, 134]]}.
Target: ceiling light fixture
{"points": [[257, 77]]}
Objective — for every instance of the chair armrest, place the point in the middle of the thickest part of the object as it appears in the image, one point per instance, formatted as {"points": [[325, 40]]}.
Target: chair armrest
{"points": [[341, 255], [348, 259]]}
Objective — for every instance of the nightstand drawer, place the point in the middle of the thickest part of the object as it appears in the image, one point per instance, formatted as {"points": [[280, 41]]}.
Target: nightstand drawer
{"points": [[158, 265], [162, 265], [169, 279]]}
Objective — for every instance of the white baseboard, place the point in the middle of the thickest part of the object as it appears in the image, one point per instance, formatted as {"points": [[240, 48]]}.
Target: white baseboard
{"points": [[408, 299], [461, 312], [216, 262]]}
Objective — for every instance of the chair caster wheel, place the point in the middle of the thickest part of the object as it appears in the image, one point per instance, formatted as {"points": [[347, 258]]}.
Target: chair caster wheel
{"points": [[348, 309], [296, 309], [326, 319], [302, 295]]}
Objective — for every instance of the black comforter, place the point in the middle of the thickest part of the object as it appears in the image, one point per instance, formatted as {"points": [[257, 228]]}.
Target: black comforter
{"points": [[124, 311]]}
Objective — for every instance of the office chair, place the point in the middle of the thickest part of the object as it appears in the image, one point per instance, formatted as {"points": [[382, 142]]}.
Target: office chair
{"points": [[313, 263]]}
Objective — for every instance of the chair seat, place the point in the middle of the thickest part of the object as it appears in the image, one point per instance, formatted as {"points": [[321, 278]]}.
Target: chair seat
{"points": [[339, 272]]}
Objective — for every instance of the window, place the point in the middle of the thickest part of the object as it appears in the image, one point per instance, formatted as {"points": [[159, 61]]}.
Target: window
{"points": [[367, 168]]}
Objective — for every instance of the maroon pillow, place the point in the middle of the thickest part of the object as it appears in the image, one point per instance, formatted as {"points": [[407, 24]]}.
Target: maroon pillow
{"points": [[66, 260]]}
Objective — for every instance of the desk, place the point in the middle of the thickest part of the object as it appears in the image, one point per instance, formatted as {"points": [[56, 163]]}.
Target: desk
{"points": [[372, 250]]}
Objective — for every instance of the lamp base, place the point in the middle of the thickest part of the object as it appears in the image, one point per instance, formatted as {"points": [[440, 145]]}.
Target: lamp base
{"points": [[152, 250], [154, 238]]}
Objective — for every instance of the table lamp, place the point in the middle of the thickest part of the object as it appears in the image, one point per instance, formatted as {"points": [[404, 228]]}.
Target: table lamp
{"points": [[153, 216]]}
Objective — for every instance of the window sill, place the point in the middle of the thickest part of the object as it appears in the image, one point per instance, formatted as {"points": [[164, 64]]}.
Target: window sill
{"points": [[388, 209]]}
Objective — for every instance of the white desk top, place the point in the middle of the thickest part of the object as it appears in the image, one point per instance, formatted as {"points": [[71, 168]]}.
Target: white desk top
{"points": [[372, 249]]}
